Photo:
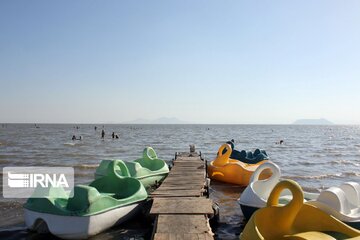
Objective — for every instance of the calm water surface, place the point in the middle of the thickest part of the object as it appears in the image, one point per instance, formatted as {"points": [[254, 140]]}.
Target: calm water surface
{"points": [[315, 156]]}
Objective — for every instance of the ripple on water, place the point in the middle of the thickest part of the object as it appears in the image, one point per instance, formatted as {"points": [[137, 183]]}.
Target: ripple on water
{"points": [[321, 176], [344, 162]]}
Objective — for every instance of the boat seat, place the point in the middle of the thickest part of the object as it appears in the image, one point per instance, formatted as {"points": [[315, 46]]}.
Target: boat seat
{"points": [[151, 164], [128, 185], [335, 198], [133, 167], [249, 157], [83, 196], [257, 152], [352, 192]]}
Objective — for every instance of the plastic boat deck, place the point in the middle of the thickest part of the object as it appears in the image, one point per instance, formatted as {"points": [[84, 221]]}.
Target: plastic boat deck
{"points": [[180, 204]]}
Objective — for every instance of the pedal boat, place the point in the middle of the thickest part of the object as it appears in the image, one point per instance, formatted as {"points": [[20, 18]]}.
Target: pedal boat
{"points": [[225, 169], [107, 201], [256, 194], [341, 202], [296, 220], [149, 169]]}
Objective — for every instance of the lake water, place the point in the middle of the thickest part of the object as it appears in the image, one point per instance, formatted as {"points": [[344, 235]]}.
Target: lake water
{"points": [[315, 156]]}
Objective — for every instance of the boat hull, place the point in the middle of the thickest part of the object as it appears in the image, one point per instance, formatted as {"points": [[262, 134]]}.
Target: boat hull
{"points": [[78, 227], [236, 172], [248, 211]]}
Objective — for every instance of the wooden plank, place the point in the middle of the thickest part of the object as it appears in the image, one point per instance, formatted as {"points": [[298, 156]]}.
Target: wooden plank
{"points": [[182, 206], [169, 188], [179, 187], [188, 158], [181, 198], [193, 168], [185, 176], [186, 172], [195, 190], [194, 180], [183, 236], [179, 181], [187, 162], [181, 194], [178, 190], [184, 169], [182, 224]]}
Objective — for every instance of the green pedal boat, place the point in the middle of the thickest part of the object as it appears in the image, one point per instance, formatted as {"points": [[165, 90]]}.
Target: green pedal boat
{"points": [[107, 201], [149, 169]]}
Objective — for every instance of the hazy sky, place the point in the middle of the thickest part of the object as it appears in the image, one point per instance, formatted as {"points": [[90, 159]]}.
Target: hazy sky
{"points": [[199, 61]]}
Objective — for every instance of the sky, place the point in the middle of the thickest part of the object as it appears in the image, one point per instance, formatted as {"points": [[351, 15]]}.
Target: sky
{"points": [[202, 61]]}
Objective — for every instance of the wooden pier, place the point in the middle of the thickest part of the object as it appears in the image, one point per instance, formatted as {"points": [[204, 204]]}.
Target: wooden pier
{"points": [[180, 205]]}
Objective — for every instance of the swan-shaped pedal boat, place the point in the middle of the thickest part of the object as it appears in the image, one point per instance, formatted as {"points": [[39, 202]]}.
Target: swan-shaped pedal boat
{"points": [[258, 191], [149, 169], [296, 220], [225, 169], [106, 202]]}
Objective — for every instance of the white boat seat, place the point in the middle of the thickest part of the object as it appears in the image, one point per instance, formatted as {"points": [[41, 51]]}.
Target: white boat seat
{"points": [[335, 198], [352, 192]]}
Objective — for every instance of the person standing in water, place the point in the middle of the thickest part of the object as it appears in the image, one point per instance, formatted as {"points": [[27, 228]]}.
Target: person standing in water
{"points": [[102, 134], [113, 135]]}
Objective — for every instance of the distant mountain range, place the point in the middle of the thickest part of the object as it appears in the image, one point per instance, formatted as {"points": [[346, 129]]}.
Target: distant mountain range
{"points": [[163, 120], [320, 121]]}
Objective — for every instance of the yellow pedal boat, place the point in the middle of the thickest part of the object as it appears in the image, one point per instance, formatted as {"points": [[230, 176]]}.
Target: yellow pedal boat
{"points": [[296, 220], [225, 169]]}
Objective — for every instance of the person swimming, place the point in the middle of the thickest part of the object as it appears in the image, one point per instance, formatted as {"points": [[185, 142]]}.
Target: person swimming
{"points": [[102, 134], [74, 138]]}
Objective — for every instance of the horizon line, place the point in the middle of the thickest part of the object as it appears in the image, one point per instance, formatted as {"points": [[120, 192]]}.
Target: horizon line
{"points": [[188, 123]]}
